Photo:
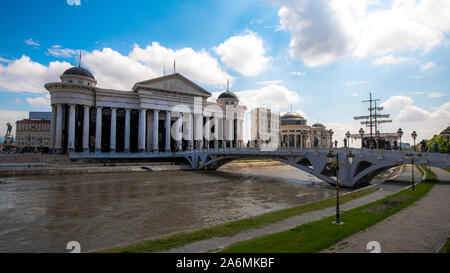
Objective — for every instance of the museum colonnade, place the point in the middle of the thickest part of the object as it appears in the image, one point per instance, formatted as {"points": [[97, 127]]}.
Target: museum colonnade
{"points": [[81, 128]]}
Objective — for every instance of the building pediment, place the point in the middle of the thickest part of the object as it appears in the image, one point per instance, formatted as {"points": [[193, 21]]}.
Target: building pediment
{"points": [[174, 83]]}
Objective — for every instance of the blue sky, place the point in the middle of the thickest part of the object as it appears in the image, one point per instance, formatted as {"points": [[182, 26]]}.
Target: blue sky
{"points": [[323, 57]]}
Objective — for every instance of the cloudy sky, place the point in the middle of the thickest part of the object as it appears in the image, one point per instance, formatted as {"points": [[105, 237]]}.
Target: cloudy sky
{"points": [[320, 57]]}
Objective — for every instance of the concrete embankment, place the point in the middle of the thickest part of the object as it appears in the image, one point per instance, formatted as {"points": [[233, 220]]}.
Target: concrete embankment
{"points": [[31, 169], [86, 169]]}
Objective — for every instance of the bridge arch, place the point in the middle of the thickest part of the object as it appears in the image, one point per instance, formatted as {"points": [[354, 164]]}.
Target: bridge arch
{"points": [[303, 164]]}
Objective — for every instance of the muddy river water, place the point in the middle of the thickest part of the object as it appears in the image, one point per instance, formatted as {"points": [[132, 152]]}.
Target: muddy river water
{"points": [[43, 213]]}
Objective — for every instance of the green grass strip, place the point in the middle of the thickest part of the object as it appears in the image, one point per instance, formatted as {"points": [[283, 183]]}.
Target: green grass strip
{"points": [[446, 169], [322, 234], [234, 227], [446, 247]]}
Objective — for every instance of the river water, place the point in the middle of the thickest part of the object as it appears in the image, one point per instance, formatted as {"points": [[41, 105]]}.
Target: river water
{"points": [[43, 213]]}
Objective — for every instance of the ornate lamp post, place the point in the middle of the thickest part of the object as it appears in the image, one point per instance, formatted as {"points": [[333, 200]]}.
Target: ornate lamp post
{"points": [[347, 135], [410, 156], [400, 134], [414, 135], [331, 137], [333, 159], [361, 132]]}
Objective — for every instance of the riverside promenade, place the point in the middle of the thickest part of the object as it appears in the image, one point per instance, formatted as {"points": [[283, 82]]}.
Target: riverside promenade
{"points": [[218, 243], [422, 227]]}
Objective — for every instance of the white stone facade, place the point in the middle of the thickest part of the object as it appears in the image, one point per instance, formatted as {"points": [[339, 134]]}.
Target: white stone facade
{"points": [[168, 113], [265, 128]]}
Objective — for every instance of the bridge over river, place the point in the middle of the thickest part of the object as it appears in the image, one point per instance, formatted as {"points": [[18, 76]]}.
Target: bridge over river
{"points": [[367, 163]]}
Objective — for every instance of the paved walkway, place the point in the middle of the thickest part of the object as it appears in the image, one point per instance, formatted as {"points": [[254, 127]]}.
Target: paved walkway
{"points": [[421, 227], [217, 243]]}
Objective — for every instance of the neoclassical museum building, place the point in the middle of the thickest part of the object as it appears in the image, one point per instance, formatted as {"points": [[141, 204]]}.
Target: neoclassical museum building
{"points": [[296, 133], [164, 114]]}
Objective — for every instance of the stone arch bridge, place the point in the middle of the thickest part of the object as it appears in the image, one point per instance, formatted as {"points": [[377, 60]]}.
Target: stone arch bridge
{"points": [[367, 163]]}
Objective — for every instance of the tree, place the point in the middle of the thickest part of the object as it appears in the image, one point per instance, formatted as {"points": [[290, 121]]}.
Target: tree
{"points": [[442, 141]]}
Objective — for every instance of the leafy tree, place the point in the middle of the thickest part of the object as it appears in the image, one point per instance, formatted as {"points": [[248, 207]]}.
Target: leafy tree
{"points": [[442, 141]]}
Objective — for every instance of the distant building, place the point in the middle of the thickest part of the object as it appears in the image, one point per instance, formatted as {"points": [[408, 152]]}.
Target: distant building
{"points": [[406, 145], [87, 118], [296, 133], [265, 128], [33, 134], [40, 115]]}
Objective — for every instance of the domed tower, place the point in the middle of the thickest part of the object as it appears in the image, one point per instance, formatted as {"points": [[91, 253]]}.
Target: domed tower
{"points": [[292, 118], [318, 125], [228, 98], [78, 75]]}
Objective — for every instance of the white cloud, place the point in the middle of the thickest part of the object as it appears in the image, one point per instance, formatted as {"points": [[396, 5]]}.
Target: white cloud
{"points": [[436, 95], [244, 53], [426, 66], [270, 82], [317, 34], [396, 102], [41, 102], [339, 130], [410, 112], [277, 96], [196, 65], [30, 42], [256, 21], [25, 75], [413, 113], [389, 59], [324, 31], [3, 60], [112, 69], [350, 83], [58, 51], [74, 2], [418, 93], [298, 73], [11, 117]]}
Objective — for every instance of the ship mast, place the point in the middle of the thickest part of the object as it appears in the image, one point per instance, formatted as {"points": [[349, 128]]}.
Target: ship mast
{"points": [[374, 118]]}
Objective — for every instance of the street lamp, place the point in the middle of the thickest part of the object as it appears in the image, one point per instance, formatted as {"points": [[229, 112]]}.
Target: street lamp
{"points": [[361, 132], [400, 134], [333, 159], [331, 137], [347, 135], [414, 135], [410, 156]]}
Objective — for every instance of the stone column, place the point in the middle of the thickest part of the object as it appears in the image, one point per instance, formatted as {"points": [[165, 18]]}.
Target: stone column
{"points": [[86, 117], [178, 134], [240, 133], [222, 131], [126, 146], [198, 132], [58, 128], [112, 142], [71, 128], [208, 131], [155, 130], [53, 129], [216, 132], [98, 130], [190, 127], [167, 125], [141, 133], [149, 136], [230, 131]]}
